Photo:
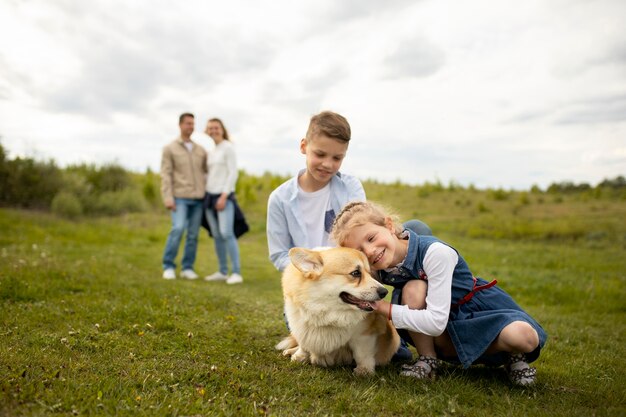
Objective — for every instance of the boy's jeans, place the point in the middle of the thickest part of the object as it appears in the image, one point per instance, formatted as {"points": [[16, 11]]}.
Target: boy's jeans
{"points": [[188, 215], [223, 233]]}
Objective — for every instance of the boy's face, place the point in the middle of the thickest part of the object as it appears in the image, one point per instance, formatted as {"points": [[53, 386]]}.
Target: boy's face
{"points": [[324, 156], [378, 243]]}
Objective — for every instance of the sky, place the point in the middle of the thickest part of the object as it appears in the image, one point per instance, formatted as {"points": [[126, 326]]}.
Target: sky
{"points": [[490, 93]]}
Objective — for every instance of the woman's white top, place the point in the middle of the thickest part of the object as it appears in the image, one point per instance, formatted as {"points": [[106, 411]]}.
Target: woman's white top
{"points": [[222, 169]]}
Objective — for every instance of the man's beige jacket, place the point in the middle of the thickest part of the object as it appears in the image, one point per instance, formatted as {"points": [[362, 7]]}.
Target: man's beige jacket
{"points": [[183, 173]]}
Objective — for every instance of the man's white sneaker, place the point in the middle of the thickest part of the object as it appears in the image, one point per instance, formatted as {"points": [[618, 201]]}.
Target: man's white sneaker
{"points": [[216, 276], [169, 273], [189, 274], [234, 279]]}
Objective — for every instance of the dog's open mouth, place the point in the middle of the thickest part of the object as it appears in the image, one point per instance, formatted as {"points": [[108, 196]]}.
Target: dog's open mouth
{"points": [[362, 304]]}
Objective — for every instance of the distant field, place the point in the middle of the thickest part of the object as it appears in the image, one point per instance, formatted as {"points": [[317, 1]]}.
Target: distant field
{"points": [[88, 327]]}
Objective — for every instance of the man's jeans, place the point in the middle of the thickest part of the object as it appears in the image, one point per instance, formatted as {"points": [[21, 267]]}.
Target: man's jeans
{"points": [[222, 229], [188, 215]]}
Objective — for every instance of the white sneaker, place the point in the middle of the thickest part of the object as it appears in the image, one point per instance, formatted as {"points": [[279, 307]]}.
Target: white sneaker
{"points": [[169, 273], [216, 276], [189, 274], [234, 279]]}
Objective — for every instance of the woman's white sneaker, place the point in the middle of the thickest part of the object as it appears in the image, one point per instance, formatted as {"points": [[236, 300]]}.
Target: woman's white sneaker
{"points": [[216, 276], [234, 279], [169, 273]]}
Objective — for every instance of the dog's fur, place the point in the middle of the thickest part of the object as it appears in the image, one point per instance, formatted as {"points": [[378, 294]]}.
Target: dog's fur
{"points": [[328, 295]]}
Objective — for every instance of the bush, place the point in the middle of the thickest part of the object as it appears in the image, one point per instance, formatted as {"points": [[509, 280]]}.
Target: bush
{"points": [[66, 204], [524, 200], [109, 177], [150, 188], [119, 202], [25, 182], [498, 195]]}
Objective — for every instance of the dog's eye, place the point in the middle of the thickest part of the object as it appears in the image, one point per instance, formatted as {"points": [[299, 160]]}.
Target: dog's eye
{"points": [[356, 273]]}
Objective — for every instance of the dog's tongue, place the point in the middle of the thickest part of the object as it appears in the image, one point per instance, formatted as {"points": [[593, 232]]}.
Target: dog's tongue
{"points": [[362, 304], [365, 305]]}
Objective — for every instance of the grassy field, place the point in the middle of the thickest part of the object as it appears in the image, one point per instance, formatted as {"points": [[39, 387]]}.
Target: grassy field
{"points": [[88, 327]]}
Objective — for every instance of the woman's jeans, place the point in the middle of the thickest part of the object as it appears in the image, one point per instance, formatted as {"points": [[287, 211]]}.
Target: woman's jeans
{"points": [[188, 215], [222, 229]]}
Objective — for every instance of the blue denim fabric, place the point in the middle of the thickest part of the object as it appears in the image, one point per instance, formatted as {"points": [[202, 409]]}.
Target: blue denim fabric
{"points": [[222, 229], [474, 325], [187, 216], [419, 227]]}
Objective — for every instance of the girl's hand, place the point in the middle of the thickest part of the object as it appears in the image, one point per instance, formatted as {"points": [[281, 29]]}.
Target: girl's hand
{"points": [[382, 307]]}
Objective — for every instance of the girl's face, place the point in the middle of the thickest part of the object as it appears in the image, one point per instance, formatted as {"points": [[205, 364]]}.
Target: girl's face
{"points": [[214, 129], [379, 243]]}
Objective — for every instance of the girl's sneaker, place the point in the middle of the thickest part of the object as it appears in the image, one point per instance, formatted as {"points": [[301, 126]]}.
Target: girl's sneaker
{"points": [[520, 372], [424, 367]]}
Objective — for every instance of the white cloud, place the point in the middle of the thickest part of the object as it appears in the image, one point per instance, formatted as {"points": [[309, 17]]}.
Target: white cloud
{"points": [[490, 93]]}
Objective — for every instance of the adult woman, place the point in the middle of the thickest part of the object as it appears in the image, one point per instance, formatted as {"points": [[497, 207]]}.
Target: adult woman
{"points": [[221, 210]]}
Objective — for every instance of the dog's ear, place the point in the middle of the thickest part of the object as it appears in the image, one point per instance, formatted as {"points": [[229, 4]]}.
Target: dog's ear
{"points": [[307, 261]]}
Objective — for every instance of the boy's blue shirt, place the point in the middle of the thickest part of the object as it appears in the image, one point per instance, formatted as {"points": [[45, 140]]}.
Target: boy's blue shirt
{"points": [[285, 227]]}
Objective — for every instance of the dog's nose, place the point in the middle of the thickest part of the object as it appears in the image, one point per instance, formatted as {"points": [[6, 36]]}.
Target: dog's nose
{"points": [[382, 292]]}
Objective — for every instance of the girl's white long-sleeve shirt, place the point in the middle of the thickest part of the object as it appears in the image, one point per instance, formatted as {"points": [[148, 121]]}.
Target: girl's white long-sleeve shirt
{"points": [[439, 263], [222, 169]]}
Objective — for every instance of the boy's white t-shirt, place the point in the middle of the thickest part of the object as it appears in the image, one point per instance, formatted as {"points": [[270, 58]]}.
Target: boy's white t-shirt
{"points": [[315, 208]]}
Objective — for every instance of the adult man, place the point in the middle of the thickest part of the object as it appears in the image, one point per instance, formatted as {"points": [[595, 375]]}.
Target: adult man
{"points": [[183, 179]]}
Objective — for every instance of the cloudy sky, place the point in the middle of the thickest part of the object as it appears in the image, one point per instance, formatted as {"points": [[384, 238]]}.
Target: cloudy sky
{"points": [[492, 93]]}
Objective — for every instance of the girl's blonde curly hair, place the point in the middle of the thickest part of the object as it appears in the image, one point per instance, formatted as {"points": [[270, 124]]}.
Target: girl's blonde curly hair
{"points": [[358, 213]]}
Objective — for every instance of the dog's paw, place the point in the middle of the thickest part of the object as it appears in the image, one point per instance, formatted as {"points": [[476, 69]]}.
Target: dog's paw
{"points": [[290, 352], [300, 356], [363, 371], [324, 361]]}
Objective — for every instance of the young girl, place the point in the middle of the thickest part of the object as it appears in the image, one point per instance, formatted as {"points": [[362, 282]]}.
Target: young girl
{"points": [[445, 309]]}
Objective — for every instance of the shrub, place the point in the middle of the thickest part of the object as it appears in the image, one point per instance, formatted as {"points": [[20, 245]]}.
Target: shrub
{"points": [[497, 195], [524, 199], [119, 202], [150, 188], [28, 183], [482, 208], [66, 204], [109, 177]]}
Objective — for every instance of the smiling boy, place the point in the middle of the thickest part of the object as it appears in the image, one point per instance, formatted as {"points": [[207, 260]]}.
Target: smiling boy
{"points": [[300, 212]]}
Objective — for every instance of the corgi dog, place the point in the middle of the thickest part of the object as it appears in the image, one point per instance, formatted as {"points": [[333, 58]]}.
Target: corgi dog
{"points": [[328, 297]]}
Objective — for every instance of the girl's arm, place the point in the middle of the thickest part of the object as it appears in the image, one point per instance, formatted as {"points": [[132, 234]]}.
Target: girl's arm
{"points": [[439, 264]]}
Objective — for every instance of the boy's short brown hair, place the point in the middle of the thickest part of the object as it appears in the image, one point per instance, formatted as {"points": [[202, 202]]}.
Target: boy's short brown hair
{"points": [[330, 124]]}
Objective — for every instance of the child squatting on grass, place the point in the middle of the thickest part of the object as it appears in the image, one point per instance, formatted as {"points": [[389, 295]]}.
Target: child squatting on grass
{"points": [[446, 311]]}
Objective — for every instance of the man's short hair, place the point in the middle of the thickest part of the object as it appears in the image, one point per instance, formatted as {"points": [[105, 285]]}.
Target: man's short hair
{"points": [[330, 124], [182, 117]]}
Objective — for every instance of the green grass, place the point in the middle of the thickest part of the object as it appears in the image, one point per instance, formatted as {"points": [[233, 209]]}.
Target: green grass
{"points": [[88, 327]]}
